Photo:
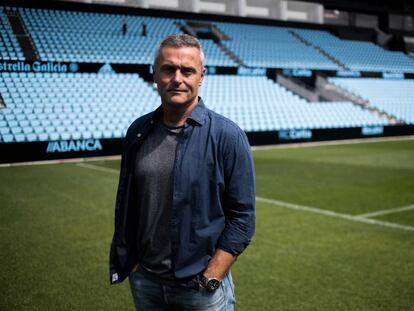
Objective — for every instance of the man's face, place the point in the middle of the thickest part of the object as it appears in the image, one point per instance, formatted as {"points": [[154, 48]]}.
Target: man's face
{"points": [[178, 75]]}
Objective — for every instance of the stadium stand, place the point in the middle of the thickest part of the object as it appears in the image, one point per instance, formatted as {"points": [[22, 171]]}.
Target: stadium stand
{"points": [[214, 56], [395, 97], [41, 106], [49, 106], [260, 104], [44, 107], [358, 55], [267, 46], [9, 47], [95, 37]]}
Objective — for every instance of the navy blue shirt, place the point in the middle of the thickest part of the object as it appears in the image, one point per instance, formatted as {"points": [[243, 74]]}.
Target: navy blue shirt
{"points": [[213, 200]]}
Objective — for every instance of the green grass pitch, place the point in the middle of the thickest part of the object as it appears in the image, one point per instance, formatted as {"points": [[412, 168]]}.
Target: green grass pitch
{"points": [[318, 245]]}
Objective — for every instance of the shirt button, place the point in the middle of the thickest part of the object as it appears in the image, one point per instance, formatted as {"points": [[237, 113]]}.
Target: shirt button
{"points": [[152, 122], [139, 135]]}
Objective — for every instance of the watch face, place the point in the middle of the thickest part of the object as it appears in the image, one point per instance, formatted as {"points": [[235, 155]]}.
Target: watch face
{"points": [[213, 284]]}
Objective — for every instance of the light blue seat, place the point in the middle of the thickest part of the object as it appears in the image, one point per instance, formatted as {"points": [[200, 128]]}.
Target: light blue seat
{"points": [[31, 137], [4, 130], [19, 137], [54, 136], [65, 135], [76, 135], [7, 138]]}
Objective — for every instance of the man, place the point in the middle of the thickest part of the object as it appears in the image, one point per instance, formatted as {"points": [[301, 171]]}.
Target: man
{"points": [[185, 206]]}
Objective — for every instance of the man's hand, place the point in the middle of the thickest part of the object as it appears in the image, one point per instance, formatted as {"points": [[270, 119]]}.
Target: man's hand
{"points": [[219, 265]]}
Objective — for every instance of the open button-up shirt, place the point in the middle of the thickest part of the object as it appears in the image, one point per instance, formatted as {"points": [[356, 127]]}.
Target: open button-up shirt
{"points": [[213, 201]]}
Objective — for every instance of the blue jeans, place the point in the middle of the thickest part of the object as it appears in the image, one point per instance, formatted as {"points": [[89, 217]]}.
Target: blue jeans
{"points": [[150, 295]]}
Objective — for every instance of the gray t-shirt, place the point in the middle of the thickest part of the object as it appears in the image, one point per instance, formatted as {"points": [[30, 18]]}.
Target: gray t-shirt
{"points": [[154, 169]]}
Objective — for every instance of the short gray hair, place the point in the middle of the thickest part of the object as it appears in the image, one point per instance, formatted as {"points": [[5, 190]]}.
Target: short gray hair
{"points": [[179, 41]]}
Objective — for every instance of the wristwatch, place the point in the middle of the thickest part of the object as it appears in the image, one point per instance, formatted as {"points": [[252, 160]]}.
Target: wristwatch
{"points": [[210, 283]]}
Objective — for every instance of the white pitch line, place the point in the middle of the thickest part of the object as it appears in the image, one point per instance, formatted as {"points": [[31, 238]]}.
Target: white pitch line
{"points": [[333, 142], [98, 168], [335, 214], [290, 205], [59, 161], [388, 211]]}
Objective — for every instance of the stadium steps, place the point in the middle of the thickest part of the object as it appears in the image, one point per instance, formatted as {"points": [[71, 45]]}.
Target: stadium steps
{"points": [[218, 33], [203, 29], [332, 92], [187, 29], [231, 54], [22, 35], [207, 30], [298, 87], [319, 49]]}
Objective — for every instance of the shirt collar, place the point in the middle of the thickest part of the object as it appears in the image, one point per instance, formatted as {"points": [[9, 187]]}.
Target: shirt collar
{"points": [[198, 114]]}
